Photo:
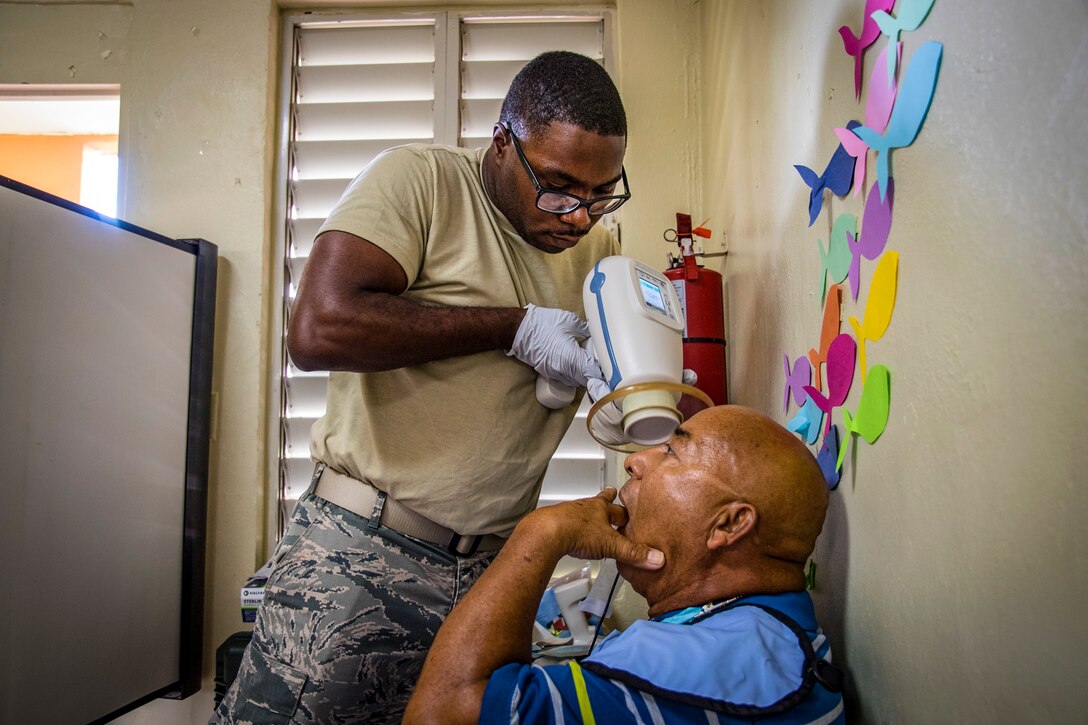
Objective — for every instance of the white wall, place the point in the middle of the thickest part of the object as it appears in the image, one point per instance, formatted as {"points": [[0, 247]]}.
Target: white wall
{"points": [[953, 570], [197, 87]]}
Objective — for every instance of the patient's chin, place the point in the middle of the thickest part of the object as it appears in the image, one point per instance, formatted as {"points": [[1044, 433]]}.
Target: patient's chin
{"points": [[636, 577]]}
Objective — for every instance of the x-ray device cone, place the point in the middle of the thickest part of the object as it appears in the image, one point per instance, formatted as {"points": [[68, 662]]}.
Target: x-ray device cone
{"points": [[636, 328]]}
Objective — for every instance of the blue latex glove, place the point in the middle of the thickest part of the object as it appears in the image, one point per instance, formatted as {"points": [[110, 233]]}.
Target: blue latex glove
{"points": [[549, 341]]}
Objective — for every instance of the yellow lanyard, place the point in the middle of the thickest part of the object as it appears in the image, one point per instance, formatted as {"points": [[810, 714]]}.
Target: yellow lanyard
{"points": [[583, 693]]}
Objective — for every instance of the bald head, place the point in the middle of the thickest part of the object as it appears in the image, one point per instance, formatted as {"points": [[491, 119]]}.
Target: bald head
{"points": [[733, 500], [762, 463]]}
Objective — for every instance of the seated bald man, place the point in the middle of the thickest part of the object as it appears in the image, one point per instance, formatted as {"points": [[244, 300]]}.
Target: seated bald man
{"points": [[714, 531]]}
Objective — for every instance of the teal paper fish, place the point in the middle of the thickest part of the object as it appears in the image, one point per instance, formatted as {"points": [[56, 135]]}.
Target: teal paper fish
{"points": [[910, 17], [835, 260]]}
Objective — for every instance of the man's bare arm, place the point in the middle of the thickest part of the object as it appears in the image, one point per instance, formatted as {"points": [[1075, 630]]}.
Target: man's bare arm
{"points": [[492, 626], [349, 315]]}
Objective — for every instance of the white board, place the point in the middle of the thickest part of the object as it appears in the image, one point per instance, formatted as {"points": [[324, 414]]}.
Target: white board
{"points": [[96, 350]]}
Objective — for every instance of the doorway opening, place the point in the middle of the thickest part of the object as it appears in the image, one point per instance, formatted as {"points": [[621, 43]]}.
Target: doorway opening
{"points": [[62, 139]]}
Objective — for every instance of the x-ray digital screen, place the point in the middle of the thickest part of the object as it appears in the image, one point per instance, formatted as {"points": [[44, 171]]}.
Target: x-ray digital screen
{"points": [[651, 294]]}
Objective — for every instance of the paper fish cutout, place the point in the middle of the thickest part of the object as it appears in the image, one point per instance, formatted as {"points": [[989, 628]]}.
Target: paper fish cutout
{"points": [[828, 332], [877, 110], [856, 148], [835, 260], [841, 357], [876, 224], [879, 305], [837, 177], [807, 422], [855, 45], [912, 104], [828, 458], [796, 380], [872, 416], [911, 15], [881, 98]]}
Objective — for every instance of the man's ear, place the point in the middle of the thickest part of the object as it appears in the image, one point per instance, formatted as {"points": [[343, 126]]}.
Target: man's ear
{"points": [[498, 137], [735, 521]]}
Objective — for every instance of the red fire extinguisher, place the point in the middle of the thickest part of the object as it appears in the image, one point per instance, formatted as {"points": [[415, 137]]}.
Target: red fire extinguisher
{"points": [[700, 293]]}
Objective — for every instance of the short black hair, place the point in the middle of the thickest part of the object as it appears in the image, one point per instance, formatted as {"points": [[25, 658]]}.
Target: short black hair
{"points": [[567, 87]]}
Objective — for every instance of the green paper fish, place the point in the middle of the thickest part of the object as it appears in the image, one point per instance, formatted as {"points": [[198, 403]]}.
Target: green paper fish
{"points": [[872, 415]]}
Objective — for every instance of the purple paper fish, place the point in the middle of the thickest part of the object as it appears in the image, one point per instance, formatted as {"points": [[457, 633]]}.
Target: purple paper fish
{"points": [[876, 224], [796, 380], [855, 45], [837, 177]]}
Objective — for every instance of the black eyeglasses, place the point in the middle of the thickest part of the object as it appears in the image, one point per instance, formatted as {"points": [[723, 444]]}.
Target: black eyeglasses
{"points": [[560, 202]]}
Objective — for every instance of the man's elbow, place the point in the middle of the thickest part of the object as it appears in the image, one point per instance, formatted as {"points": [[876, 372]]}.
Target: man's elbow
{"points": [[303, 349], [450, 705], [313, 343]]}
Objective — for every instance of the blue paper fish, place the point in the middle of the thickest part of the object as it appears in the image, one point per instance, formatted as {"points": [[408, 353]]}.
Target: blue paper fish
{"points": [[828, 458], [837, 177], [911, 106], [807, 421]]}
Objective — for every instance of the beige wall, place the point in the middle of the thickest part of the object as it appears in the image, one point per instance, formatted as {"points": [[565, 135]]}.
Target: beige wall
{"points": [[197, 89], [953, 568], [658, 67]]}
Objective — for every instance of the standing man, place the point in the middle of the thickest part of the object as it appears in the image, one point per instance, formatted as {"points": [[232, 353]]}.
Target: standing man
{"points": [[441, 286]]}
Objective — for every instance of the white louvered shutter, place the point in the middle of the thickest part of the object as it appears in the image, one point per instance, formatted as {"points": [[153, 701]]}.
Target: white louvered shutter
{"points": [[360, 86]]}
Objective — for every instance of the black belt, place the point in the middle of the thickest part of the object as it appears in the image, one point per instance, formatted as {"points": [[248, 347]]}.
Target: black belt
{"points": [[363, 499]]}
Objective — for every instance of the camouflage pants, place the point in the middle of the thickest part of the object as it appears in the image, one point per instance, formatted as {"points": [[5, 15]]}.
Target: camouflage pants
{"points": [[347, 619]]}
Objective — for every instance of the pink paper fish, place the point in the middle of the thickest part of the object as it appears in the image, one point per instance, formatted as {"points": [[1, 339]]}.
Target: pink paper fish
{"points": [[855, 45], [841, 357], [878, 108]]}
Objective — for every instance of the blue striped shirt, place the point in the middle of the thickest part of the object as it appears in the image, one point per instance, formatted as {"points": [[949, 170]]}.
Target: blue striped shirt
{"points": [[568, 693]]}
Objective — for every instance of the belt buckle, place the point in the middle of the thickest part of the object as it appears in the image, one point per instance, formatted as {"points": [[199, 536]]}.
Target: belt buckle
{"points": [[454, 547]]}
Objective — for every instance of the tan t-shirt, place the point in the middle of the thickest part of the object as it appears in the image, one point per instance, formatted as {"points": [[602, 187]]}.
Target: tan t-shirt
{"points": [[462, 441]]}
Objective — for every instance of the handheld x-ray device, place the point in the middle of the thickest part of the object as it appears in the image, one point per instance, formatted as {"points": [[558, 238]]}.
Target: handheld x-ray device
{"points": [[636, 326]]}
